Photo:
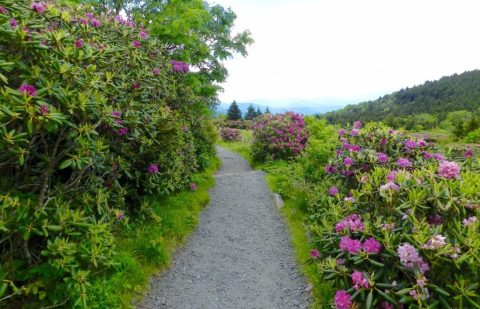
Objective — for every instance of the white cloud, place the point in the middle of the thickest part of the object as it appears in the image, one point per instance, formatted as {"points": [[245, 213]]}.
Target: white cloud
{"points": [[349, 49]]}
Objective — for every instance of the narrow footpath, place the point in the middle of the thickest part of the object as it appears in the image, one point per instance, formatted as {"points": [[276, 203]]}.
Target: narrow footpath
{"points": [[239, 256]]}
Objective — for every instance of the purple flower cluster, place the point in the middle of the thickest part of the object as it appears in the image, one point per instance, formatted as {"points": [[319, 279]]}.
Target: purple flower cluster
{"points": [[38, 7], [449, 170], [179, 66], [27, 89], [333, 191], [359, 281], [230, 134], [153, 168], [382, 158], [342, 300], [410, 258], [404, 162], [351, 223], [390, 186], [353, 246]]}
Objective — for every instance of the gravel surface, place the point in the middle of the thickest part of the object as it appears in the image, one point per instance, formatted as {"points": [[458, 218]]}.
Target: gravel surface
{"points": [[240, 255]]}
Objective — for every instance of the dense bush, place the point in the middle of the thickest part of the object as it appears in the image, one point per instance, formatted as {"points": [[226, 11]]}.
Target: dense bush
{"points": [[93, 115], [399, 226], [229, 134], [280, 136]]}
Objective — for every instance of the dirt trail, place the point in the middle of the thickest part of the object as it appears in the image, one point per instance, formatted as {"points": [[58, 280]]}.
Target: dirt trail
{"points": [[240, 255]]}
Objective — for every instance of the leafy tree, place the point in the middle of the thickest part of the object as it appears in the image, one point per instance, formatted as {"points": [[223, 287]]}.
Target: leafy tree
{"points": [[250, 113], [472, 125], [459, 130], [234, 112]]}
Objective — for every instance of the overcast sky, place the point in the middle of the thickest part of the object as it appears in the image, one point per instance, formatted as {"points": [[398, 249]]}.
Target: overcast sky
{"points": [[349, 50]]}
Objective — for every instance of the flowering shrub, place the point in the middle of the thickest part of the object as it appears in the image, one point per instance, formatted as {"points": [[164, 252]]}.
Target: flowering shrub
{"points": [[401, 230], [280, 136], [93, 115], [229, 134]]}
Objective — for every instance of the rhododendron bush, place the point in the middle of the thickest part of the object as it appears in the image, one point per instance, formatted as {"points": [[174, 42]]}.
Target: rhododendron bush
{"points": [[230, 134], [94, 114], [397, 226], [280, 136]]}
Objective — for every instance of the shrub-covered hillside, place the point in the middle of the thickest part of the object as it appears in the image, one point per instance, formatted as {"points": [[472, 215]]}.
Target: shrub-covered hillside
{"points": [[437, 98], [96, 114]]}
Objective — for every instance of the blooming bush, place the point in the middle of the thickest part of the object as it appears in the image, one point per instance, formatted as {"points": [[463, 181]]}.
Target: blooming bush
{"points": [[280, 136], [93, 115], [402, 228], [229, 134]]}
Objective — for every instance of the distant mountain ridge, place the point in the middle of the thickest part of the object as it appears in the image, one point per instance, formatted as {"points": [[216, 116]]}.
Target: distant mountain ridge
{"points": [[447, 94], [306, 108]]}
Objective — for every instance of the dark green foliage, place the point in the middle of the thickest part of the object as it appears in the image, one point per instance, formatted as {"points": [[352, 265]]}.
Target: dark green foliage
{"points": [[250, 113], [258, 112], [234, 112], [438, 98]]}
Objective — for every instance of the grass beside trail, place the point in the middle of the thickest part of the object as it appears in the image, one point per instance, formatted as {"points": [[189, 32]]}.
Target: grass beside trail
{"points": [[146, 248], [281, 179]]}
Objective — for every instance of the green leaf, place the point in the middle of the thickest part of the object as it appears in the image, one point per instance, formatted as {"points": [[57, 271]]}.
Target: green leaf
{"points": [[65, 164]]}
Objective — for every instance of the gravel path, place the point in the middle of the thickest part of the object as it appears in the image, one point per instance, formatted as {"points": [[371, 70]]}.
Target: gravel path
{"points": [[240, 255]]}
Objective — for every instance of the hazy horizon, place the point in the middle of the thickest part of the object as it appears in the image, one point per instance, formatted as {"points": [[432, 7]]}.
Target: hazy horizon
{"points": [[348, 51]]}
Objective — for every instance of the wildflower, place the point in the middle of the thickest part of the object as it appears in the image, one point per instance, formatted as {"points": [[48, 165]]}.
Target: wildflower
{"points": [[436, 242], [359, 281], [410, 258], [449, 170], [469, 221], [153, 168], [371, 245], [27, 89], [13, 23], [410, 144], [382, 158], [391, 176], [314, 254], [116, 114], [427, 155], [349, 199], [435, 219], [342, 300], [355, 148], [354, 132], [421, 282], [89, 15], [136, 86], [179, 66], [43, 109], [193, 186], [357, 125], [38, 7], [468, 153], [439, 157], [329, 169], [131, 24], [341, 132], [79, 43], [333, 191], [3, 10], [83, 21], [352, 246], [390, 186], [383, 141], [119, 19], [422, 143], [136, 44], [348, 161], [353, 223], [156, 71], [95, 23], [122, 131], [403, 162], [414, 294], [143, 35]]}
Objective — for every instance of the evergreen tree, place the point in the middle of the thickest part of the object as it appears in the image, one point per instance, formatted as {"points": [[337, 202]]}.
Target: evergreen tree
{"points": [[258, 112], [250, 113], [267, 111], [234, 112]]}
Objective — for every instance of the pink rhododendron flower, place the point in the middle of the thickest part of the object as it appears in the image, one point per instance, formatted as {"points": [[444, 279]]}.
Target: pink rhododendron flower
{"points": [[439, 157], [341, 132], [95, 23], [449, 170], [410, 258], [383, 141], [314, 254], [116, 114], [410, 144], [136, 86], [403, 162], [83, 21], [143, 35], [359, 280], [28, 89], [340, 261], [136, 44], [371, 245], [352, 246], [469, 221], [79, 43], [342, 300], [421, 282], [355, 148], [119, 19], [333, 191], [179, 66], [349, 199], [90, 15], [193, 186], [38, 7], [348, 161], [330, 169], [357, 125], [131, 24], [153, 168], [156, 71], [3, 10], [422, 143], [468, 153], [43, 109], [391, 186], [353, 223], [354, 132], [386, 305], [382, 158], [13, 23], [122, 131], [427, 155], [364, 179]]}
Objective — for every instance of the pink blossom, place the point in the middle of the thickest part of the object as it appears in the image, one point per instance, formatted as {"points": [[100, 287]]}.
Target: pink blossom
{"points": [[357, 125], [386, 305], [43, 109], [153, 168], [352, 246], [410, 258], [90, 15], [349, 199], [359, 280], [38, 7], [116, 114], [333, 191], [422, 143], [352, 223], [143, 35], [95, 23], [122, 131], [403, 162], [136, 44], [193, 186], [421, 282], [156, 71], [3, 10], [342, 300], [314, 254], [414, 294], [449, 170], [371, 245], [364, 179], [179, 66], [434, 243], [340, 261], [427, 155], [329, 169], [348, 161], [119, 19], [341, 132], [79, 43], [354, 132], [390, 186], [468, 153], [136, 86], [382, 158], [383, 141], [13, 23], [469, 221], [410, 144], [83, 21], [27, 89], [355, 148], [439, 157]]}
